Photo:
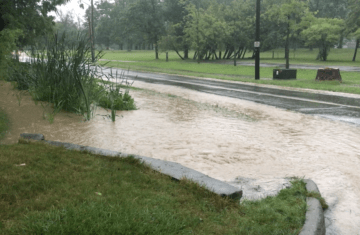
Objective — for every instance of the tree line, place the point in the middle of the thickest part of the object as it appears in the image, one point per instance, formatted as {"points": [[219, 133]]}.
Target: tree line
{"points": [[214, 29]]}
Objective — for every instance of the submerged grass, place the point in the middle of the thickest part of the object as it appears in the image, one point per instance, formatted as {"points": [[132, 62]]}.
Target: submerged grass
{"points": [[51, 190], [143, 61]]}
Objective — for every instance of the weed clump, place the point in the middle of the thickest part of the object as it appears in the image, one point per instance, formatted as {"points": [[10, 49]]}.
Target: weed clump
{"points": [[62, 73]]}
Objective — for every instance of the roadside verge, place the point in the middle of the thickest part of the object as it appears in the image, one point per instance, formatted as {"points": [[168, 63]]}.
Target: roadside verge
{"points": [[172, 169], [314, 223]]}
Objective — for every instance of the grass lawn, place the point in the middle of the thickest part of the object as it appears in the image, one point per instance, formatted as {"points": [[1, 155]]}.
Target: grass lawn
{"points": [[59, 191], [144, 61]]}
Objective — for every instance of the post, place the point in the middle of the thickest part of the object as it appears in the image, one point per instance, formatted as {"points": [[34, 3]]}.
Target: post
{"points": [[356, 48], [167, 56], [257, 41], [92, 32], [287, 45]]}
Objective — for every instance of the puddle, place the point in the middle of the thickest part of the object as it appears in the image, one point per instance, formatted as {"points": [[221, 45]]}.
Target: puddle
{"points": [[247, 144]]}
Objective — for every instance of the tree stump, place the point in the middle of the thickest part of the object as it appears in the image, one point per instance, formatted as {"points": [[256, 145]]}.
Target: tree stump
{"points": [[328, 74]]}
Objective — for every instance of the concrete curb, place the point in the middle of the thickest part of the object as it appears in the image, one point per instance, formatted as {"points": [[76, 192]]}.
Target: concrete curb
{"points": [[315, 221], [172, 169]]}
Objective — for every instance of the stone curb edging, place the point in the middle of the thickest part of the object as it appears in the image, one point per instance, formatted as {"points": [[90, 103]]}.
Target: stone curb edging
{"points": [[315, 221], [172, 169]]}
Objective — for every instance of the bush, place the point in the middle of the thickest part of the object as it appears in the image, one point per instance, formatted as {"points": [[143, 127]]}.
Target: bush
{"points": [[21, 73]]}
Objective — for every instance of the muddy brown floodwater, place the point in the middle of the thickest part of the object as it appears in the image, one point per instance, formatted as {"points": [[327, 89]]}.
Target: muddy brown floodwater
{"points": [[222, 137]]}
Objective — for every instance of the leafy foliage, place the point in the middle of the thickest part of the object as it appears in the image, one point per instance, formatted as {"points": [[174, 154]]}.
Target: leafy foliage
{"points": [[323, 33], [8, 40], [29, 16]]}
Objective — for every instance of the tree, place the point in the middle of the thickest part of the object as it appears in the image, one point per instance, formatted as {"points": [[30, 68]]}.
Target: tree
{"points": [[67, 25], [147, 17], [353, 23], [289, 14], [331, 9], [124, 30], [8, 43], [323, 33], [29, 16], [104, 24], [174, 14]]}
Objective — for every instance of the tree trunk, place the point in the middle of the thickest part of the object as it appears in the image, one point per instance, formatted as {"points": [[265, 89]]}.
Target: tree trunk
{"points": [[235, 54], [177, 52], [156, 51], [229, 54], [323, 53], [215, 55], [195, 55], [341, 42], [356, 47], [287, 46], [219, 55], [225, 54], [186, 53]]}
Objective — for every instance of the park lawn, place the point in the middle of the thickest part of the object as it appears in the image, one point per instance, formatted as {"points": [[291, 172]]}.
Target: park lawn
{"points": [[145, 62], [69, 192], [337, 57]]}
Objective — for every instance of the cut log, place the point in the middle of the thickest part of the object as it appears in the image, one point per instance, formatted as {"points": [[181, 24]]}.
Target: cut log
{"points": [[328, 74]]}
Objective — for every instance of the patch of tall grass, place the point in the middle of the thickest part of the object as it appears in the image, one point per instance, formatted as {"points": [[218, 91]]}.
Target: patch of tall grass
{"points": [[112, 96], [62, 73]]}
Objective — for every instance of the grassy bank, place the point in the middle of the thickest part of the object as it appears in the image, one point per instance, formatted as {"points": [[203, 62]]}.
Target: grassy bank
{"points": [[50, 190], [144, 61]]}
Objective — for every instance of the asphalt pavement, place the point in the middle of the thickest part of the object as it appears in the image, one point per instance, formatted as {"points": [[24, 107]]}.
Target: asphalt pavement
{"points": [[335, 107]]}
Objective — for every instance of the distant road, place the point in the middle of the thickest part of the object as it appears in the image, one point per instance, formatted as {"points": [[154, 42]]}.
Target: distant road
{"points": [[329, 106], [326, 105]]}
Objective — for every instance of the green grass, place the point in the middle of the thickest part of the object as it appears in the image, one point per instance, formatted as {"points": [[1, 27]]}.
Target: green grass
{"points": [[4, 124], [144, 61], [59, 191], [337, 57]]}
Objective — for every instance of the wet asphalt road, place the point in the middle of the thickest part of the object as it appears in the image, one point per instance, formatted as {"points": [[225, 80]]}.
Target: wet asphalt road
{"points": [[328, 106]]}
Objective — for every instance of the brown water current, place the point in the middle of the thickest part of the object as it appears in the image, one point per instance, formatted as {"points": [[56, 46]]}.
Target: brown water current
{"points": [[222, 137]]}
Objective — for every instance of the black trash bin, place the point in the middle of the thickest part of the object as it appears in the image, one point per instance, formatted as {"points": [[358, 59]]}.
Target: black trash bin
{"points": [[284, 74]]}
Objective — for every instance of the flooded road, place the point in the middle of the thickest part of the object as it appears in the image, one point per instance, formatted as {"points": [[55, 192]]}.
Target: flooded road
{"points": [[222, 137]]}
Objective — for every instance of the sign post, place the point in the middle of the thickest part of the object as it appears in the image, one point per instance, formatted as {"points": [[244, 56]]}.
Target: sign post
{"points": [[257, 42]]}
